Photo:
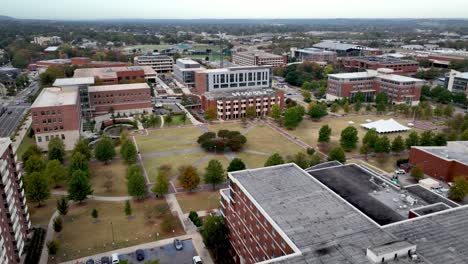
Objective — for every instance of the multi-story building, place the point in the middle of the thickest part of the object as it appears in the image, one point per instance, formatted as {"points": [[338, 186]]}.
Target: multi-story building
{"points": [[457, 82], [159, 63], [345, 49], [443, 163], [184, 71], [47, 40], [14, 217], [56, 113], [335, 213], [118, 75], [42, 65], [121, 98], [399, 89], [258, 58], [399, 66], [313, 54]]}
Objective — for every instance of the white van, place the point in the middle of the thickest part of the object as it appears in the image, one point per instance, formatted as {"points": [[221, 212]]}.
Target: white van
{"points": [[115, 258]]}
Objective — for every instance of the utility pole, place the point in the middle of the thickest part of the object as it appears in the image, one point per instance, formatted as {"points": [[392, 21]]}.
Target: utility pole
{"points": [[112, 229]]}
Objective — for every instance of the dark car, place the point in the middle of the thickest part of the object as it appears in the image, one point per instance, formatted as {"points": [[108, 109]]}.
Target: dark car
{"points": [[105, 260], [140, 254], [178, 244], [90, 261]]}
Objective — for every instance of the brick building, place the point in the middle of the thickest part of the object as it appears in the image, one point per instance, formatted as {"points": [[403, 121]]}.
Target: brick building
{"points": [[42, 65], [399, 89], [258, 58], [14, 217], [122, 98], [118, 75], [442, 163], [399, 66], [335, 213], [56, 113]]}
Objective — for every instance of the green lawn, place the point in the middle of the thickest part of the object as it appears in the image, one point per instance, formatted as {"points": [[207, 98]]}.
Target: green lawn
{"points": [[83, 236], [40, 216], [177, 121], [25, 144], [152, 164], [264, 139], [115, 172], [252, 161], [199, 201], [235, 126]]}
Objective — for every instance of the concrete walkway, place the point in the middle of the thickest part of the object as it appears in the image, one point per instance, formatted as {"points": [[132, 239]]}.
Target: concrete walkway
{"points": [[22, 133], [189, 115]]}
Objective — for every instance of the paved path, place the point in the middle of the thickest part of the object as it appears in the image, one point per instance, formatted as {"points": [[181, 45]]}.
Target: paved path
{"points": [[189, 115], [257, 152], [162, 121], [49, 236], [22, 133]]}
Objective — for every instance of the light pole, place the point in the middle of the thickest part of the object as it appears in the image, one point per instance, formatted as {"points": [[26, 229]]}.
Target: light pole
{"points": [[112, 230]]}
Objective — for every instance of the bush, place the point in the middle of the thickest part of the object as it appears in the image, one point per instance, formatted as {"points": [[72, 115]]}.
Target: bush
{"points": [[310, 151], [233, 140], [401, 161], [53, 247], [34, 250], [193, 216]]}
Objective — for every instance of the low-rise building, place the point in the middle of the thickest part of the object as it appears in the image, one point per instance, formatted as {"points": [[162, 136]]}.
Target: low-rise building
{"points": [[42, 65], [120, 98], [456, 82], [159, 63], [345, 49], [118, 75], [442, 163], [313, 54], [184, 71], [399, 66], [47, 40], [15, 224], [399, 89], [258, 58], [56, 113]]}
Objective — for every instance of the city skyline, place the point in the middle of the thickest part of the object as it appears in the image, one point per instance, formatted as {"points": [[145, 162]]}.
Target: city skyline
{"points": [[242, 9]]}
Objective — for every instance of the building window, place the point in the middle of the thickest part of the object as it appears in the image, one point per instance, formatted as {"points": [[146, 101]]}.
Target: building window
{"points": [[34, 113], [39, 139], [63, 136], [46, 137]]}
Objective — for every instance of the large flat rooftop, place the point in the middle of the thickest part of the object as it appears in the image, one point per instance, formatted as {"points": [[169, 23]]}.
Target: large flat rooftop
{"points": [[111, 72], [118, 87], [384, 60], [455, 150], [55, 97], [74, 81]]}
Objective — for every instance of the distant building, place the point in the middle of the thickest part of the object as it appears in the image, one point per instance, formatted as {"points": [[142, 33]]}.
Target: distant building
{"points": [[56, 113], [159, 63], [47, 40], [443, 163], [8, 76], [456, 82], [15, 224], [184, 71], [313, 54], [345, 49], [258, 58], [42, 65], [118, 75], [399, 89], [399, 66]]}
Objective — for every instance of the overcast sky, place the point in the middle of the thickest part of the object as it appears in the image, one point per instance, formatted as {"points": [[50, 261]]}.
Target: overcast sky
{"points": [[186, 9]]}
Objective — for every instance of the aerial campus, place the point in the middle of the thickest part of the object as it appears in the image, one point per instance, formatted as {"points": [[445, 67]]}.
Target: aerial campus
{"points": [[232, 141]]}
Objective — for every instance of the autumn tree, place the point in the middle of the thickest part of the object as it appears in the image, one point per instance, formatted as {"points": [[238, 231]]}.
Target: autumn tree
{"points": [[189, 178]]}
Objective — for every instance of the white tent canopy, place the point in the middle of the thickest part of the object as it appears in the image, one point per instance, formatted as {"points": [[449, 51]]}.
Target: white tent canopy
{"points": [[386, 126]]}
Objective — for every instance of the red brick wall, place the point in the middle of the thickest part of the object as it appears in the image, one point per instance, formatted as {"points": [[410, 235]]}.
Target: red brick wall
{"points": [[80, 61], [200, 83], [68, 114], [130, 75], [121, 100], [437, 167]]}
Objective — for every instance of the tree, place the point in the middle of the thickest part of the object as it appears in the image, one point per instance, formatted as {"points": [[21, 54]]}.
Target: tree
{"points": [[58, 224], [211, 113], [82, 146], [324, 134], [440, 139], [78, 162], [104, 150], [250, 112], [417, 173], [449, 110], [427, 138], [301, 160], [55, 172], [275, 112], [215, 236], [128, 152], [236, 165], [79, 187], [459, 189], [398, 145], [161, 185], [136, 183], [365, 150], [382, 145], [34, 164], [412, 140], [464, 135], [337, 154], [346, 107], [349, 138], [32, 150], [370, 138], [334, 107], [94, 214], [381, 101], [293, 117], [214, 173], [37, 187], [189, 178], [56, 149], [62, 206], [53, 247], [128, 208], [274, 159], [307, 95], [318, 111]]}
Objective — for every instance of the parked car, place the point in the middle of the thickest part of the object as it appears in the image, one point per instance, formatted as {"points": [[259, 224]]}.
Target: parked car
{"points": [[115, 258], [197, 260], [105, 260], [140, 254], [178, 244], [450, 184], [90, 261], [400, 171]]}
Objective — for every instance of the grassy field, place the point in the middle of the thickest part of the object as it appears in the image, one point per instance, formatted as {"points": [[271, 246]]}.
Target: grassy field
{"points": [[236, 126], [198, 201], [115, 172], [84, 236], [168, 139], [152, 164], [27, 141], [264, 139], [41, 216], [221, 158], [177, 121], [147, 47]]}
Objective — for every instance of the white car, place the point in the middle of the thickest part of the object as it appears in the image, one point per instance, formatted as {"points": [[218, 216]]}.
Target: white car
{"points": [[197, 260], [115, 258], [400, 171]]}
